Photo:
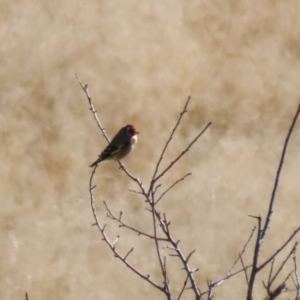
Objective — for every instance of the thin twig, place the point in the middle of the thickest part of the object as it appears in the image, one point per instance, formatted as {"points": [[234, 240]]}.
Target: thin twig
{"points": [[210, 290], [190, 255], [245, 271], [94, 111], [242, 252], [171, 137], [271, 271], [173, 185], [163, 270], [228, 274], [255, 260], [130, 251], [183, 287], [135, 192]]}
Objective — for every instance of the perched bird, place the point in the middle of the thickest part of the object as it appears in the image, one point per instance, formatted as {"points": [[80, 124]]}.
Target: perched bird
{"points": [[120, 146]]}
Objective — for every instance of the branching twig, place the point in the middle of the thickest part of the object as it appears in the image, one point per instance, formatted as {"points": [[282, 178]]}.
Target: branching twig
{"points": [[212, 284], [279, 290], [165, 228], [242, 252], [222, 280], [297, 282], [278, 250], [282, 265], [182, 153]]}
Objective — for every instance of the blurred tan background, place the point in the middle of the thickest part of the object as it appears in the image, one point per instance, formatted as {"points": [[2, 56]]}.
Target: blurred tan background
{"points": [[240, 62]]}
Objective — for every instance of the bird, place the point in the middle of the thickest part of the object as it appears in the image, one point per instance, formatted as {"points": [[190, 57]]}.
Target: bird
{"points": [[120, 146]]}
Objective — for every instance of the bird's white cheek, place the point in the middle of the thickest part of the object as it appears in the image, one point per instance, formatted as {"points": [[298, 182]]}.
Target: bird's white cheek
{"points": [[133, 140]]}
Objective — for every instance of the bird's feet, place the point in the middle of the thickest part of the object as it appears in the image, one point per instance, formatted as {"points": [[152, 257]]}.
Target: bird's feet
{"points": [[121, 166]]}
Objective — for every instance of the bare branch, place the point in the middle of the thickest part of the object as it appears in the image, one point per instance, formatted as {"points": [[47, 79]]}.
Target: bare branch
{"points": [[111, 246], [270, 209], [156, 216]]}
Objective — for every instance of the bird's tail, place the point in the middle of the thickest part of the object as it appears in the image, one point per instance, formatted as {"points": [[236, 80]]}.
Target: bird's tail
{"points": [[96, 162]]}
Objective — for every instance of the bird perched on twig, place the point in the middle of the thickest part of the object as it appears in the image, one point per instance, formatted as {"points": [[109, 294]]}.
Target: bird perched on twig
{"points": [[120, 146]]}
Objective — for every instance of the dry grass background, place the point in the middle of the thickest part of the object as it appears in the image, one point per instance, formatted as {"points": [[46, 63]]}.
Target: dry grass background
{"points": [[240, 62]]}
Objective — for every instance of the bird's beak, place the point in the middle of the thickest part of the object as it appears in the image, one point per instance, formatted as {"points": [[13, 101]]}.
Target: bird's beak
{"points": [[136, 132]]}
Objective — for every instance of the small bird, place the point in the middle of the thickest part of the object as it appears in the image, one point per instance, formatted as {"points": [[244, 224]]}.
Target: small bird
{"points": [[120, 146]]}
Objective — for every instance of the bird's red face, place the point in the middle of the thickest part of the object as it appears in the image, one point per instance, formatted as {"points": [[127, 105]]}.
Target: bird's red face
{"points": [[132, 130]]}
